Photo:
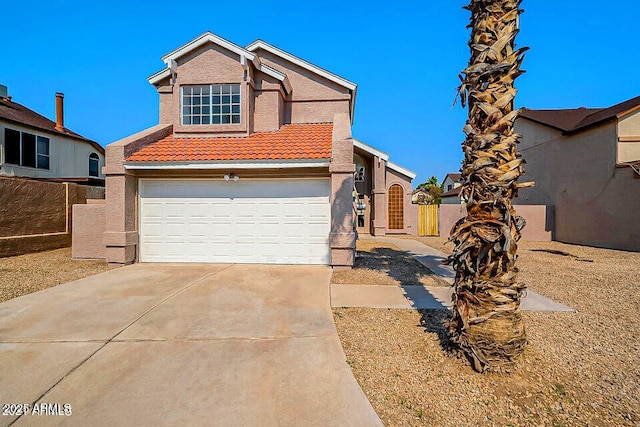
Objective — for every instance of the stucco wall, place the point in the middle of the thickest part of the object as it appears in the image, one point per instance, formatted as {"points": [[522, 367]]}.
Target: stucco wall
{"points": [[68, 158], [314, 111], [450, 200], [266, 116], [595, 203], [629, 138], [539, 220], [88, 231], [410, 210], [36, 215], [314, 99]]}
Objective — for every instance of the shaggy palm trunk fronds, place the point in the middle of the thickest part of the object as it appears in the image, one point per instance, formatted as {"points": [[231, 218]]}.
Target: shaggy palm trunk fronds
{"points": [[486, 322]]}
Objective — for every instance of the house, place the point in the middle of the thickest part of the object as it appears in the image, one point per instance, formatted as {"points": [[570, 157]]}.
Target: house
{"points": [[586, 164], [253, 161], [33, 146], [451, 189]]}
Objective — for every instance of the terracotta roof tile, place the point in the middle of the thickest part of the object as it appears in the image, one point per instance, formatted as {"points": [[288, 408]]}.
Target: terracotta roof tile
{"points": [[291, 142]]}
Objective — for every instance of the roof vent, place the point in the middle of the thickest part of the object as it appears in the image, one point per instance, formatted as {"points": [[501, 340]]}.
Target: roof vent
{"points": [[3, 91]]}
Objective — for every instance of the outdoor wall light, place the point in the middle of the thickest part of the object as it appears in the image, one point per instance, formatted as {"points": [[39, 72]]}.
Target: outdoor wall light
{"points": [[231, 176]]}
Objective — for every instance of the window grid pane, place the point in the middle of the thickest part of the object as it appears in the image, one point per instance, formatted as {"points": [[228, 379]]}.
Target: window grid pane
{"points": [[210, 104], [396, 207]]}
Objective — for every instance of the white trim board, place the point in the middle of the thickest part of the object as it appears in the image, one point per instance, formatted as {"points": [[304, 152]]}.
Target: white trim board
{"points": [[406, 172], [371, 150], [256, 164], [201, 40]]}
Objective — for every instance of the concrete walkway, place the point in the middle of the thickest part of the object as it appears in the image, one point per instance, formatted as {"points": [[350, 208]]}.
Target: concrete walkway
{"points": [[421, 297], [154, 345]]}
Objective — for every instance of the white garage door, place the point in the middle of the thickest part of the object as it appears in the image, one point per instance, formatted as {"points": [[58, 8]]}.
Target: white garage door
{"points": [[248, 221]]}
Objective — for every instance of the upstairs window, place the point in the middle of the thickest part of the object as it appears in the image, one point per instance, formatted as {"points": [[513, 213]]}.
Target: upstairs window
{"points": [[210, 104], [94, 164], [26, 149]]}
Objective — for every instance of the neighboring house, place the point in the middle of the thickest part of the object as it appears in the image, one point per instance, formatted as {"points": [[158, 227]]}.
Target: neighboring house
{"points": [[33, 146], [253, 162], [451, 189], [586, 164]]}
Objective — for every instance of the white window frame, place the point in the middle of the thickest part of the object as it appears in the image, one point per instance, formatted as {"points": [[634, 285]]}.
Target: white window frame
{"points": [[224, 110], [97, 160], [43, 155]]}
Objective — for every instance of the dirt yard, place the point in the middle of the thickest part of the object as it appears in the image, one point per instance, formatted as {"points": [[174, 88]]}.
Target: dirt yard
{"points": [[579, 369], [382, 263], [24, 274]]}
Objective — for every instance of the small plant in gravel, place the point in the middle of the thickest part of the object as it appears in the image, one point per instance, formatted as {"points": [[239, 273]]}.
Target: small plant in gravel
{"points": [[560, 390]]}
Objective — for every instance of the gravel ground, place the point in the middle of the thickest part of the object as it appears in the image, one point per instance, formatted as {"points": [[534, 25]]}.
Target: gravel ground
{"points": [[24, 274], [381, 263], [579, 368]]}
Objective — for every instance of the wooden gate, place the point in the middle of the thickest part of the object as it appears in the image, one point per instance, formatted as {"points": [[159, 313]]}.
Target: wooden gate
{"points": [[428, 220]]}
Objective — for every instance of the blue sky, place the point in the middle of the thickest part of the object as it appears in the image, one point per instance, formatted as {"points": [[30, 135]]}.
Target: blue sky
{"points": [[405, 59]]}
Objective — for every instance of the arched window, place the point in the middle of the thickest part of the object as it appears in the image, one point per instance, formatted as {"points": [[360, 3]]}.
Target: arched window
{"points": [[396, 207], [94, 165]]}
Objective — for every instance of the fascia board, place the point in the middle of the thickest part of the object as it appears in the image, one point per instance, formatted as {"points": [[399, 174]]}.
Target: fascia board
{"points": [[157, 77], [629, 111], [205, 38], [369, 149], [259, 44], [272, 72], [403, 171], [256, 164], [283, 78]]}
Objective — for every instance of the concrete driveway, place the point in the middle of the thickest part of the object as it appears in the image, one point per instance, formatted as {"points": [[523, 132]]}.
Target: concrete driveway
{"points": [[178, 344]]}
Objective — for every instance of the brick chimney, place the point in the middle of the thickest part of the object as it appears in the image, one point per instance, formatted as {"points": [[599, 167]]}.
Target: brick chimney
{"points": [[59, 111]]}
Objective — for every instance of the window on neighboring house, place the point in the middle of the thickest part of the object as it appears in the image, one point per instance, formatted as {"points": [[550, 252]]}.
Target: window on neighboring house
{"points": [[210, 104], [26, 149], [12, 146], [449, 187], [94, 164], [42, 152]]}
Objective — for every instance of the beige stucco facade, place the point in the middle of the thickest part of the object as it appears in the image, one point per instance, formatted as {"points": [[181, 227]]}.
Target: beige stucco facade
{"points": [[629, 138], [596, 200]]}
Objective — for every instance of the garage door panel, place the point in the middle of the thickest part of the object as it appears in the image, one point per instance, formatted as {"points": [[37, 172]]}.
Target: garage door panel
{"points": [[249, 221]]}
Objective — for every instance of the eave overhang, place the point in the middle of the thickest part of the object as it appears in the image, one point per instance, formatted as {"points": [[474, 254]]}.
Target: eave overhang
{"points": [[232, 164]]}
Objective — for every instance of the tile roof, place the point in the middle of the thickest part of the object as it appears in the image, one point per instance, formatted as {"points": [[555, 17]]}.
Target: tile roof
{"points": [[18, 113], [291, 142], [455, 177], [573, 120], [453, 192]]}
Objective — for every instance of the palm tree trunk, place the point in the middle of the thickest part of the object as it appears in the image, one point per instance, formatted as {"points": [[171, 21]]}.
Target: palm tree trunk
{"points": [[486, 322]]}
